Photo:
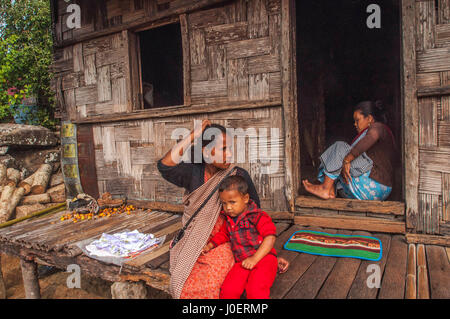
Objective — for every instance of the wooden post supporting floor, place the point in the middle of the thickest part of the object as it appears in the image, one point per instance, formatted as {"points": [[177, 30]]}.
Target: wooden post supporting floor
{"points": [[30, 279], [2, 283], [128, 290]]}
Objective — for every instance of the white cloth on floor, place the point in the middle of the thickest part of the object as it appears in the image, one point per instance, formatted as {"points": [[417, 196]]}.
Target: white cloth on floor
{"points": [[122, 244]]}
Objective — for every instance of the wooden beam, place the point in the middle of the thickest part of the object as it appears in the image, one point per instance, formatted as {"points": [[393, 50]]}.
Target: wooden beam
{"points": [[411, 273], [343, 204], [180, 110], [145, 21], [30, 279], [428, 239], [290, 126], [433, 91], [352, 223], [410, 113], [423, 291], [166, 207]]}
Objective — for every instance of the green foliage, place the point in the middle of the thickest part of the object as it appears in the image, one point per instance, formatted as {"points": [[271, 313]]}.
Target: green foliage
{"points": [[25, 56]]}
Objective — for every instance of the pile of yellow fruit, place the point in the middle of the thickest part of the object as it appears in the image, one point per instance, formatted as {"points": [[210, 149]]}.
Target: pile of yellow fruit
{"points": [[106, 212]]}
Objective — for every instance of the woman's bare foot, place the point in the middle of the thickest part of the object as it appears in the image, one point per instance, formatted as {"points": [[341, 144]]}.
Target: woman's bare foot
{"points": [[332, 193], [318, 190]]}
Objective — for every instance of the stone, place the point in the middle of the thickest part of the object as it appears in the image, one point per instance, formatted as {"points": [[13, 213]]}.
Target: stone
{"points": [[26, 135], [128, 290]]}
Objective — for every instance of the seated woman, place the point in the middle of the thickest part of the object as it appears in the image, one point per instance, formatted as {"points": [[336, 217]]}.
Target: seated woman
{"points": [[363, 170]]}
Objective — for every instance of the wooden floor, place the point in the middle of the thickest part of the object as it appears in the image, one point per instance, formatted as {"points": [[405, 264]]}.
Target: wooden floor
{"points": [[427, 271]]}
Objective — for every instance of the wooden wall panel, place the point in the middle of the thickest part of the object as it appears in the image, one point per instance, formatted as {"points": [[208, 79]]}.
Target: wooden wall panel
{"points": [[127, 152], [433, 71]]}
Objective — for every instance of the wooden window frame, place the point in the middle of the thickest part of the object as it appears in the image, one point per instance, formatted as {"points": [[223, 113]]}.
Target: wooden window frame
{"points": [[136, 66]]}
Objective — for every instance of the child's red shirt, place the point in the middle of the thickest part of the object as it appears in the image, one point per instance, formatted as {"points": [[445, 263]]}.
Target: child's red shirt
{"points": [[247, 233]]}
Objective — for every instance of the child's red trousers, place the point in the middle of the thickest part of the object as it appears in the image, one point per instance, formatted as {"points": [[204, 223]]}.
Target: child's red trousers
{"points": [[255, 282]]}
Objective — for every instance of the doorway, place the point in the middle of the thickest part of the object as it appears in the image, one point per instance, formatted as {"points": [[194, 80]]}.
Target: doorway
{"points": [[341, 62]]}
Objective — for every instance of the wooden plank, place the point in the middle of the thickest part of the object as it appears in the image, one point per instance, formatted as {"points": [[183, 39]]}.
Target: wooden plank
{"points": [[360, 289], [86, 95], [217, 66], [410, 111], [427, 122], [258, 86], [393, 283], [433, 60], [425, 24], [439, 270], [411, 273], [237, 80], [443, 132], [197, 47], [90, 71], [428, 239], [248, 48], [446, 197], [430, 182], [263, 64], [426, 80], [442, 35], [422, 277], [310, 282], [435, 160], [213, 88], [258, 20], [168, 112], [343, 204], [340, 279], [225, 33], [433, 91], [447, 249], [186, 59], [353, 223], [428, 219], [104, 84]]}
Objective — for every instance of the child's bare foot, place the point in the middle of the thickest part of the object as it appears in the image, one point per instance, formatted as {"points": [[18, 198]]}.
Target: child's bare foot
{"points": [[318, 190]]}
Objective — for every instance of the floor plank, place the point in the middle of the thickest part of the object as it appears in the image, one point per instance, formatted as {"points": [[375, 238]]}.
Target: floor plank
{"points": [[411, 279], [423, 291], [311, 281], [341, 277], [393, 282], [439, 270], [299, 263], [360, 289]]}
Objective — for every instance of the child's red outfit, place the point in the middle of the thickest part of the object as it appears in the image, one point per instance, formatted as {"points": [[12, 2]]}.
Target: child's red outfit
{"points": [[246, 234]]}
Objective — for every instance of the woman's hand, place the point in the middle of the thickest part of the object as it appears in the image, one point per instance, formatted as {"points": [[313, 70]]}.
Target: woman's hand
{"points": [[346, 172], [198, 131], [173, 157]]}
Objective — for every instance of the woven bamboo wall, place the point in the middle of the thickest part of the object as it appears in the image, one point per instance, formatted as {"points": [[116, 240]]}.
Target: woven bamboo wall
{"points": [[233, 58], [433, 72], [126, 154]]}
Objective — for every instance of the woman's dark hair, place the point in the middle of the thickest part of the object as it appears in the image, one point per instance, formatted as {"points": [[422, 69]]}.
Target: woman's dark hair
{"points": [[207, 140], [374, 108], [234, 182]]}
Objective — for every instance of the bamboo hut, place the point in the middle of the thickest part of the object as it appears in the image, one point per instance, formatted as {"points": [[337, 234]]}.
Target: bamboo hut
{"points": [[127, 73]]}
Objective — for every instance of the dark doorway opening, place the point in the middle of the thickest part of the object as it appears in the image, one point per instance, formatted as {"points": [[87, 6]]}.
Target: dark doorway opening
{"points": [[162, 66], [341, 62]]}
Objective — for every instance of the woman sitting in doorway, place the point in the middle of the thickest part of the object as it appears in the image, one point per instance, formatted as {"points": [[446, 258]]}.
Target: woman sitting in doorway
{"points": [[364, 169]]}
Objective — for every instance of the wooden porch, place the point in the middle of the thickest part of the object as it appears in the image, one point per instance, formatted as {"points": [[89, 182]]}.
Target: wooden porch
{"points": [[408, 271]]}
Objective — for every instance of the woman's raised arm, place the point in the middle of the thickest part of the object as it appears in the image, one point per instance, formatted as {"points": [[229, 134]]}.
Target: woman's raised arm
{"points": [[173, 157]]}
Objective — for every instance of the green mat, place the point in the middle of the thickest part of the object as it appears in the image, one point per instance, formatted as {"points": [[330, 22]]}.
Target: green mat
{"points": [[336, 245]]}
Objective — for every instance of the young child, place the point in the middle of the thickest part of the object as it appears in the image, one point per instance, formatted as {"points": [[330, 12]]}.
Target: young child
{"points": [[251, 233]]}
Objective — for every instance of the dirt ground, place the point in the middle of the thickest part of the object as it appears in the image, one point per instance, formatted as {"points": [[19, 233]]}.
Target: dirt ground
{"points": [[53, 286]]}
